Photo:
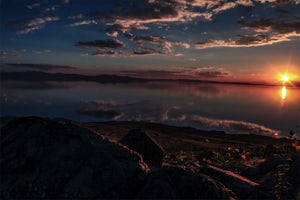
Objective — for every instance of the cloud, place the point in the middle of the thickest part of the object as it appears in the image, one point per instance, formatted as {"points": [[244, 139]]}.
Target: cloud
{"points": [[28, 30], [146, 51], [35, 23], [142, 45], [143, 39], [182, 44], [115, 28], [78, 16], [132, 19], [110, 53], [267, 25], [102, 44], [101, 113], [44, 51], [248, 40], [212, 74], [225, 6], [45, 67], [84, 22], [203, 72], [135, 14], [232, 126], [31, 6]]}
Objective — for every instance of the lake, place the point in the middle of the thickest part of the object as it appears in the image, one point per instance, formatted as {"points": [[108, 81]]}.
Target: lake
{"points": [[233, 108]]}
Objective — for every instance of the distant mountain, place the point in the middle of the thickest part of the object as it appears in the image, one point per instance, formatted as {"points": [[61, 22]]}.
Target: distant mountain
{"points": [[43, 76]]}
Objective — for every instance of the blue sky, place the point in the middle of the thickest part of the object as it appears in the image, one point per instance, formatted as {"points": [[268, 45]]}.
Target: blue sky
{"points": [[241, 40]]}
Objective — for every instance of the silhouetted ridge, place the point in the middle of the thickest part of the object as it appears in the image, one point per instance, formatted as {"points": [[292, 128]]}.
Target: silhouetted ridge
{"points": [[43, 76]]}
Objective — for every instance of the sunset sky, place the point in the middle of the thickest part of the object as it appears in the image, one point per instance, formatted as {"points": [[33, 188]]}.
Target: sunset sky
{"points": [[242, 40]]}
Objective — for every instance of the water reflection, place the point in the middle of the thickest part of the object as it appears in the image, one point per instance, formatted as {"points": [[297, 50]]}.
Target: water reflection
{"points": [[283, 93], [233, 108]]}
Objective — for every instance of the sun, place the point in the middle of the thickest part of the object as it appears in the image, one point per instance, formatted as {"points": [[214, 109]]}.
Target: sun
{"points": [[285, 78]]}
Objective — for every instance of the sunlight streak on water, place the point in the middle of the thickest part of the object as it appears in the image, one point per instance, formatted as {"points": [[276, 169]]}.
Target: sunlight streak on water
{"points": [[283, 93]]}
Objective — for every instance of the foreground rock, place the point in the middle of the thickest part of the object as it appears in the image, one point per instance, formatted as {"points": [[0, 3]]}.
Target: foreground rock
{"points": [[240, 185], [42, 158], [50, 159], [141, 142], [174, 182]]}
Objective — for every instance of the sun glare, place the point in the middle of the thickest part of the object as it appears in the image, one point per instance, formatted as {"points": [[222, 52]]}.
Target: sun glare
{"points": [[285, 78]]}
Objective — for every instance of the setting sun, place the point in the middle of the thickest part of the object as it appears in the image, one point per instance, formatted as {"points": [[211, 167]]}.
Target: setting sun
{"points": [[285, 78]]}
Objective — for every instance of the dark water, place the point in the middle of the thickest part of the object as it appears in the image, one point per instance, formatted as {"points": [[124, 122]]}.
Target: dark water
{"points": [[233, 108]]}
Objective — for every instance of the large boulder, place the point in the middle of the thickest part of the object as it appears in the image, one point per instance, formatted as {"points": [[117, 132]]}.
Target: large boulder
{"points": [[175, 182], [44, 158], [141, 142]]}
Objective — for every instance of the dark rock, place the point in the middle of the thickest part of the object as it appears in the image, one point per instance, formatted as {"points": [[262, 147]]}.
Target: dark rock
{"points": [[240, 185], [43, 158], [174, 182], [4, 120], [270, 164], [144, 144], [263, 168]]}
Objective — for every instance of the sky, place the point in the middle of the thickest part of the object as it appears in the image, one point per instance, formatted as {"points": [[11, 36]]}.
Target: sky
{"points": [[237, 40]]}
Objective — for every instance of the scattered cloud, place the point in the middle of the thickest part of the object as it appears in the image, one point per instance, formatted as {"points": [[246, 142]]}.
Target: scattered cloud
{"points": [[102, 44], [182, 44], [83, 22], [143, 39], [267, 25], [146, 51], [248, 40], [150, 27], [35, 23]]}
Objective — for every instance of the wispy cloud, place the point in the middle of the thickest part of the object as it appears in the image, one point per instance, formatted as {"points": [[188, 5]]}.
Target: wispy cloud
{"points": [[35, 23], [248, 40], [102, 44]]}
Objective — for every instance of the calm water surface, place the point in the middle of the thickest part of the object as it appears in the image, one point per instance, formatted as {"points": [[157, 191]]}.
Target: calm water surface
{"points": [[233, 108]]}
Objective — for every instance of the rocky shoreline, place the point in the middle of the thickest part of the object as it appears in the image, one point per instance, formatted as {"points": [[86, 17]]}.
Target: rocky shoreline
{"points": [[44, 158]]}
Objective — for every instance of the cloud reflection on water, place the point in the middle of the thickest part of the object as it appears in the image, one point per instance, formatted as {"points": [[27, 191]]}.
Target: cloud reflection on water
{"points": [[173, 114]]}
